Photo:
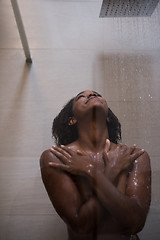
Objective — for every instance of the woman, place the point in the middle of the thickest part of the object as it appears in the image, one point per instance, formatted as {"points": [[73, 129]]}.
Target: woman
{"points": [[100, 188]]}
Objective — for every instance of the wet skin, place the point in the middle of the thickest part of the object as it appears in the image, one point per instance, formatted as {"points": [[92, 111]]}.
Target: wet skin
{"points": [[98, 188]]}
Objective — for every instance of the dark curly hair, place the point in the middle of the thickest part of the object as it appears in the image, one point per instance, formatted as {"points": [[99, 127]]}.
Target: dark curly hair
{"points": [[65, 133]]}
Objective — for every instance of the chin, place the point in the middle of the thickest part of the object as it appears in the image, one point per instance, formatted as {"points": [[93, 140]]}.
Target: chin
{"points": [[99, 108]]}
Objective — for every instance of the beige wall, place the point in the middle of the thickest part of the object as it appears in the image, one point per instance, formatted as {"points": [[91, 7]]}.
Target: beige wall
{"points": [[72, 50]]}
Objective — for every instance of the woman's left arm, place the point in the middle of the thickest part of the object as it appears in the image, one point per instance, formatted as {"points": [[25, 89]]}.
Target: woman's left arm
{"points": [[139, 187], [129, 209]]}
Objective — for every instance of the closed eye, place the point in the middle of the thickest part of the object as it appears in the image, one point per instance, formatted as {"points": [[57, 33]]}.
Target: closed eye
{"points": [[80, 96], [99, 95]]}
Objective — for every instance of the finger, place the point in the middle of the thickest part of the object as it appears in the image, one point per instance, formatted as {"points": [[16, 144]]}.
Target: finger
{"points": [[59, 166], [132, 149], [60, 155], [105, 157], [123, 146], [81, 153], [107, 146], [68, 150], [137, 154], [60, 150]]}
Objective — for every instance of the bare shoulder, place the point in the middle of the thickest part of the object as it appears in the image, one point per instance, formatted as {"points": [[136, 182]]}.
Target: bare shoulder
{"points": [[143, 161], [46, 157], [74, 145]]}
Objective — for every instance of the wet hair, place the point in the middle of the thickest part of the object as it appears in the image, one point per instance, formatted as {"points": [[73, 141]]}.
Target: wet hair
{"points": [[63, 133]]}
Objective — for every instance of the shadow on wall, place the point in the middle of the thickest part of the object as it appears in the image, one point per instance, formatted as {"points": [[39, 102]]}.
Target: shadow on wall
{"points": [[132, 90], [25, 110]]}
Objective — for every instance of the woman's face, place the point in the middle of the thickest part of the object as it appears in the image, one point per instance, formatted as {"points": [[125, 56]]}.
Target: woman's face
{"points": [[88, 100]]}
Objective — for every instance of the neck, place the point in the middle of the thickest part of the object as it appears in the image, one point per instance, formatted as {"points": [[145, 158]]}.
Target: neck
{"points": [[92, 135]]}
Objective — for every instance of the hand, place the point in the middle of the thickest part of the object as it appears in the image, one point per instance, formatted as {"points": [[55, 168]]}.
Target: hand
{"points": [[74, 162], [119, 159]]}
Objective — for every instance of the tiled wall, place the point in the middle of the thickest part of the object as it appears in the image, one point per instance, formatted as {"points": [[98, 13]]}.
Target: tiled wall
{"points": [[72, 50]]}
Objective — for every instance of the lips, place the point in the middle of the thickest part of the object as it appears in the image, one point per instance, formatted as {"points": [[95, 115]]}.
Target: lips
{"points": [[90, 98]]}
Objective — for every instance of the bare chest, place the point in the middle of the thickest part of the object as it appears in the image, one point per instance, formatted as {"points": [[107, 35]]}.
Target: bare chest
{"points": [[85, 186]]}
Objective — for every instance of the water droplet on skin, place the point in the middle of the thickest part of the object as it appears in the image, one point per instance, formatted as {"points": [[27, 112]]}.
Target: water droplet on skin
{"points": [[135, 184]]}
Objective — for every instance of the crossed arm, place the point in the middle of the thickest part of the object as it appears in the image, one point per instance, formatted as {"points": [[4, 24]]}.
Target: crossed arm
{"points": [[129, 209], [80, 213]]}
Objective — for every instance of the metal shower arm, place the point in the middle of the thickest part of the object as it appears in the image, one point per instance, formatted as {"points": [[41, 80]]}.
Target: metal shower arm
{"points": [[21, 30]]}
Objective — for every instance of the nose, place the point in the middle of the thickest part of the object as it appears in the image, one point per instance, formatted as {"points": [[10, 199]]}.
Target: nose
{"points": [[92, 94]]}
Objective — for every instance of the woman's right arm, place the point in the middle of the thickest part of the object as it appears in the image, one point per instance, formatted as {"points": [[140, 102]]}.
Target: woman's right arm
{"points": [[80, 215]]}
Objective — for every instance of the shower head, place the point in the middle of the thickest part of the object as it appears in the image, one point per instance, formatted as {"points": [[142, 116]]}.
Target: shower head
{"points": [[128, 8]]}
